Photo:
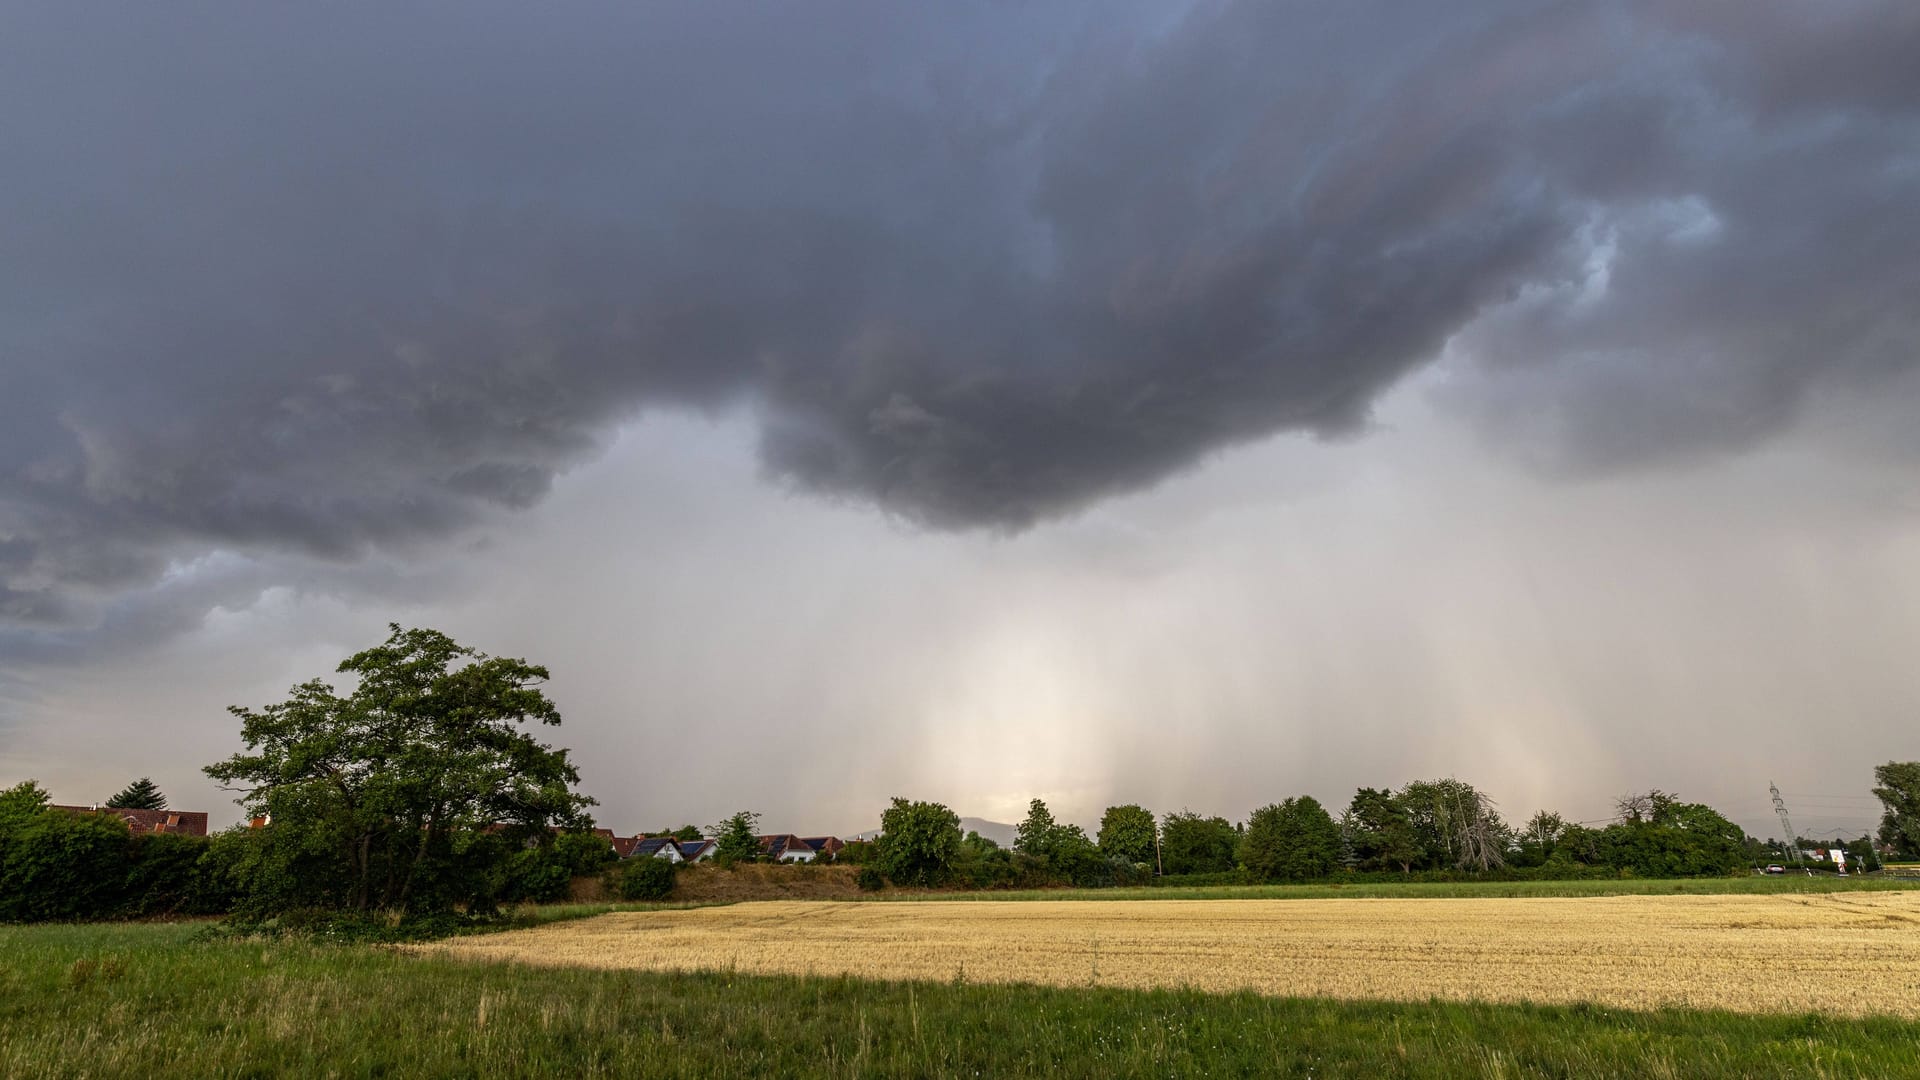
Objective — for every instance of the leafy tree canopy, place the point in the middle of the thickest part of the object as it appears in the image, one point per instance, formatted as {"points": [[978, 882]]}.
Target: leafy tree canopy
{"points": [[23, 800], [392, 781], [1455, 825], [737, 839], [1380, 832], [1128, 832], [1658, 835], [1036, 834], [1291, 841], [1192, 844], [142, 794], [919, 842], [1897, 786]]}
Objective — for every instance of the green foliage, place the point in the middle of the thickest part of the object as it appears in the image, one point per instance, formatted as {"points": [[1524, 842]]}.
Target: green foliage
{"points": [[1897, 785], [1661, 836], [375, 797], [1191, 844], [737, 839], [60, 864], [919, 843], [857, 853], [1128, 832], [1035, 834], [983, 864], [643, 878], [870, 879], [55, 864], [357, 928], [1293, 840], [542, 870], [139, 795], [1540, 838], [1049, 852], [1074, 858], [683, 834], [164, 876], [21, 801], [1454, 825], [1381, 833]]}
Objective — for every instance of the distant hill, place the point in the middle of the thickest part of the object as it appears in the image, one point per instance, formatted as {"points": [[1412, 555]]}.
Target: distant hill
{"points": [[997, 831]]}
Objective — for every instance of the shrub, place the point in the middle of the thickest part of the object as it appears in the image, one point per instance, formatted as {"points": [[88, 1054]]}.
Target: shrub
{"points": [[870, 879], [643, 878]]}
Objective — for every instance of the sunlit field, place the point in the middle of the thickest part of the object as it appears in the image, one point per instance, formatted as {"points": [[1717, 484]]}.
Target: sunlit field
{"points": [[1844, 953]]}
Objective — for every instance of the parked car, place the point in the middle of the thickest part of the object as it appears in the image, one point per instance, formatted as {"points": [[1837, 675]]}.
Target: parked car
{"points": [[1776, 868]]}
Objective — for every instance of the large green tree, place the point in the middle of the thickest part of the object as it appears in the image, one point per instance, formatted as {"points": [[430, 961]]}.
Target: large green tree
{"points": [[142, 794], [737, 839], [1455, 825], [1541, 836], [1380, 832], [919, 842], [381, 790], [1128, 832], [1294, 840], [1037, 832], [1067, 852], [1658, 835], [1898, 789], [1192, 844]]}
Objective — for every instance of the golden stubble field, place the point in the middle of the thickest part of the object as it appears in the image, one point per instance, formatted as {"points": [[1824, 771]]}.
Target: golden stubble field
{"points": [[1850, 954]]}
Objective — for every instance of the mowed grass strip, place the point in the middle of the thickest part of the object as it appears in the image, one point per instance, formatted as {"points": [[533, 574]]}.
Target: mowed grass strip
{"points": [[148, 1000], [1845, 954]]}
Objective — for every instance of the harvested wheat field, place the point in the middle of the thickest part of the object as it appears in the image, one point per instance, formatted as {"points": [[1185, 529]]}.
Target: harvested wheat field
{"points": [[1853, 954]]}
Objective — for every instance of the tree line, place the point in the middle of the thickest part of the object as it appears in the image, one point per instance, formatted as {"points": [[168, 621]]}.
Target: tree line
{"points": [[420, 790], [1427, 829]]}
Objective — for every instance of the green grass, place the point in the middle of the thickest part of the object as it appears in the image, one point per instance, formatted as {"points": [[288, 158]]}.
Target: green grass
{"points": [[1417, 889], [142, 1000]]}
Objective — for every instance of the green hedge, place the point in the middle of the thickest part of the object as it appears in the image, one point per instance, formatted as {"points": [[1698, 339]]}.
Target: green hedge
{"points": [[643, 877], [59, 865]]}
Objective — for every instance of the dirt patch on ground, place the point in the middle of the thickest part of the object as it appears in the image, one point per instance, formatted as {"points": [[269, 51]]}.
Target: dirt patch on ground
{"points": [[1853, 954], [588, 889], [764, 881]]}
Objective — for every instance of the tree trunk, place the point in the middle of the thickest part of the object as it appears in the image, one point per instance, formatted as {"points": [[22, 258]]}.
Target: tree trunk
{"points": [[413, 868], [363, 883]]}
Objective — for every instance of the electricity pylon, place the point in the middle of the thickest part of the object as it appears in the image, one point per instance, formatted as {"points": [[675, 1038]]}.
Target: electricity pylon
{"points": [[1780, 807]]}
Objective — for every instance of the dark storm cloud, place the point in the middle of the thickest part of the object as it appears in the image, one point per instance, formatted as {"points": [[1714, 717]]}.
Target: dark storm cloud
{"points": [[329, 280]]}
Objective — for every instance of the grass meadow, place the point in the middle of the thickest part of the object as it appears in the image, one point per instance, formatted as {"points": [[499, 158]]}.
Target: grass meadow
{"points": [[149, 999]]}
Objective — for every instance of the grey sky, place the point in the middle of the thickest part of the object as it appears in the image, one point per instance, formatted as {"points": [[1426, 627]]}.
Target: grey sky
{"points": [[1096, 401]]}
